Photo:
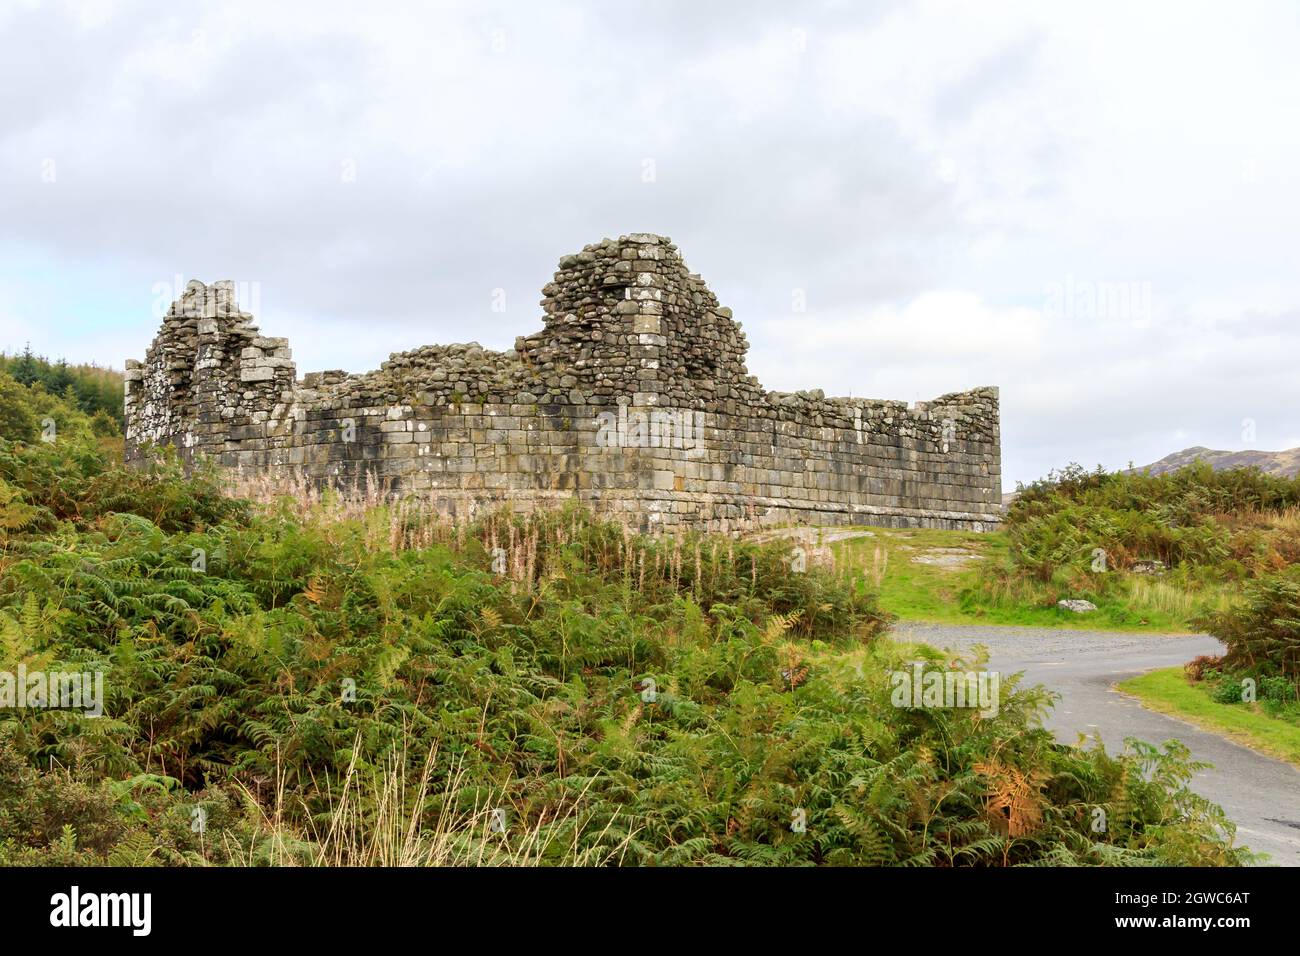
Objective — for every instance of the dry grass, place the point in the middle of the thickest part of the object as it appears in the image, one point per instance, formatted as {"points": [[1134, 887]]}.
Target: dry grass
{"points": [[1287, 520], [1153, 594], [382, 817], [1156, 595], [391, 522], [879, 565], [516, 540]]}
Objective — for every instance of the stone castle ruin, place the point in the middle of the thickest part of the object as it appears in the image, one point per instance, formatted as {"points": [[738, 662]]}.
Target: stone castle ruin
{"points": [[633, 399]]}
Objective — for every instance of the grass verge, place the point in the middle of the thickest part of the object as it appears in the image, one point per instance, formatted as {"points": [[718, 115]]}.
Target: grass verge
{"points": [[932, 575], [1169, 692]]}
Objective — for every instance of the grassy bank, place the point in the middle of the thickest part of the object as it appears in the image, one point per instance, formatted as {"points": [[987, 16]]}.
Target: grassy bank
{"points": [[1151, 552], [960, 577], [1170, 692]]}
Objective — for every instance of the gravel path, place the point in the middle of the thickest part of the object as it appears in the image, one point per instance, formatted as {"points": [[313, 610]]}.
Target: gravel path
{"points": [[1259, 794]]}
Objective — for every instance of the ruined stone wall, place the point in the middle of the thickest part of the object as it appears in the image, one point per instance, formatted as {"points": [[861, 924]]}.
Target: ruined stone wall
{"points": [[633, 398]]}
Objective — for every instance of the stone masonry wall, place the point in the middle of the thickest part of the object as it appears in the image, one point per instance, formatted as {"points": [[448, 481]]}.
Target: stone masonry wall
{"points": [[633, 398]]}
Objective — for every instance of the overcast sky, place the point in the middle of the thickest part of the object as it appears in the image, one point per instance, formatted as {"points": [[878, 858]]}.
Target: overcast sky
{"points": [[1094, 206]]}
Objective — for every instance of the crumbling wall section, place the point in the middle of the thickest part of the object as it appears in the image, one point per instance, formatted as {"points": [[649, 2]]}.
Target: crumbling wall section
{"points": [[633, 398]]}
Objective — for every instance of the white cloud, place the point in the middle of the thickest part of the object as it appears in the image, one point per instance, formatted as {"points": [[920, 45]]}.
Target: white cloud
{"points": [[923, 172], [935, 326]]}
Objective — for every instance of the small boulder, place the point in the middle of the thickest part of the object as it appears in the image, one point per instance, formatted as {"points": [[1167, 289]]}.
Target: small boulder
{"points": [[1077, 605]]}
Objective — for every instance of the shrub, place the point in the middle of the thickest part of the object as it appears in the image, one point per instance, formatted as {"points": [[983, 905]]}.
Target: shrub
{"points": [[1194, 516], [18, 421], [325, 691], [72, 480], [1262, 635], [1199, 667]]}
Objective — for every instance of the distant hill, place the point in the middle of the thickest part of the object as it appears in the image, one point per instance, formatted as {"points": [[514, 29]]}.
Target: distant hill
{"points": [[1282, 463], [1285, 464]]}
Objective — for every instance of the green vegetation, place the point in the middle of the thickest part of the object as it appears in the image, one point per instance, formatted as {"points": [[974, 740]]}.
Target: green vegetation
{"points": [[31, 415], [1208, 704], [1252, 692], [1227, 543], [918, 574], [88, 388], [960, 577], [316, 683], [1158, 553], [1233, 524], [1197, 533], [1262, 633]]}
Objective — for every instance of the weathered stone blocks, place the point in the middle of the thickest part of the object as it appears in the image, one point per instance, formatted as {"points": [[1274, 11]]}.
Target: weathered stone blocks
{"points": [[629, 334]]}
